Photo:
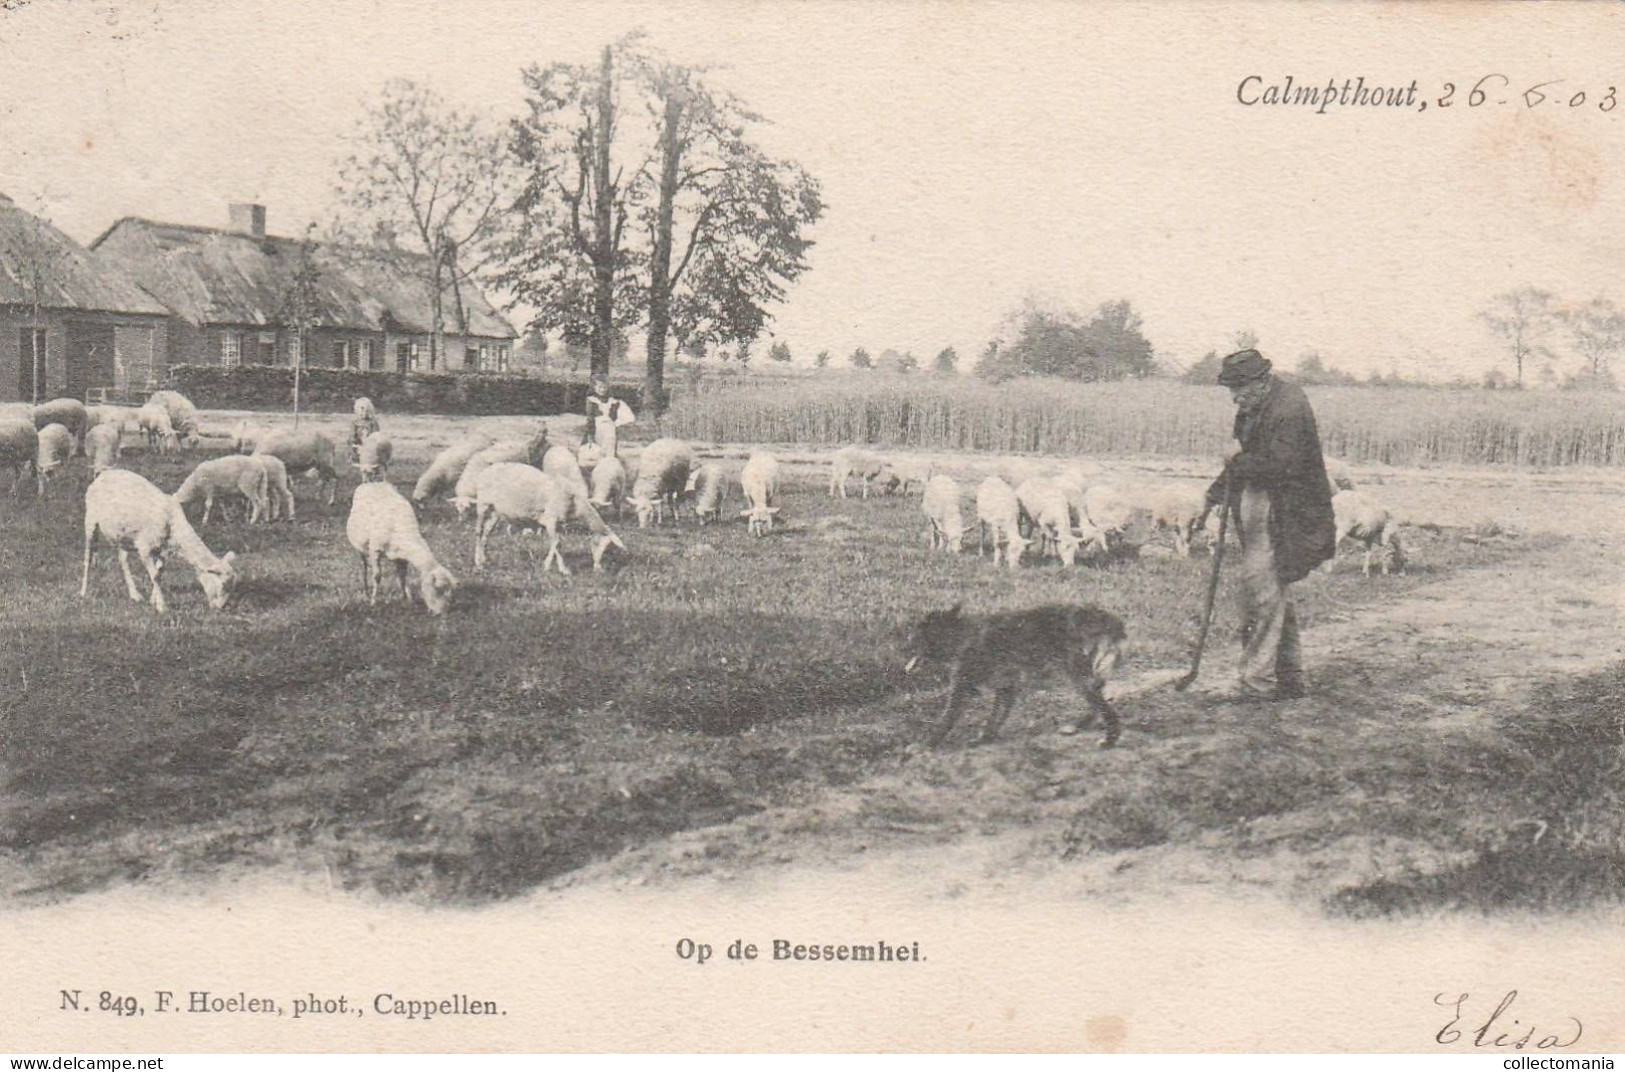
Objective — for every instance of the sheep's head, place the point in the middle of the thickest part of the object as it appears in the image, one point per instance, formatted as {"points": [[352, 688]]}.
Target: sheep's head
{"points": [[1066, 545], [463, 504], [759, 519], [645, 507], [219, 580], [437, 586], [937, 637]]}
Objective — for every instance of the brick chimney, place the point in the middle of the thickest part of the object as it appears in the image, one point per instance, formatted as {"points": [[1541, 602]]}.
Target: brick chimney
{"points": [[249, 219]]}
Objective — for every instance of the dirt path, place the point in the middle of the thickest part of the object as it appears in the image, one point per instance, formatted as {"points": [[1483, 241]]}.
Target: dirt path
{"points": [[1023, 818]]}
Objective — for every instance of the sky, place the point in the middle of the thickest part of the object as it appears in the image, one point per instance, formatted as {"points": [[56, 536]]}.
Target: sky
{"points": [[972, 155]]}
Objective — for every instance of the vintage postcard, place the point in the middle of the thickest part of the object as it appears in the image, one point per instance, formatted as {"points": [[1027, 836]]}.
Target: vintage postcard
{"points": [[727, 526]]}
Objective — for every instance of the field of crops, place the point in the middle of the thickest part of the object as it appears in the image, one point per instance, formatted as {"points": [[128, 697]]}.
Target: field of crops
{"points": [[1389, 426]]}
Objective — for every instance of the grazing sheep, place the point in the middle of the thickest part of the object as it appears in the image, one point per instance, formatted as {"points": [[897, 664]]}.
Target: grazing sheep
{"points": [[70, 413], [154, 423], [441, 476], [233, 474], [998, 509], [103, 444], [305, 452], [1361, 517], [55, 450], [940, 502], [853, 461], [759, 480], [383, 525], [912, 473], [120, 417], [376, 451], [560, 461], [1111, 508], [248, 436], [1182, 508], [710, 487], [131, 513], [508, 450], [19, 449], [609, 484], [182, 414], [529, 498], [1338, 476], [1045, 504], [662, 475], [279, 496]]}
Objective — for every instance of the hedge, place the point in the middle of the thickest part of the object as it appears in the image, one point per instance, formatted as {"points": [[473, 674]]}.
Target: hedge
{"points": [[270, 387]]}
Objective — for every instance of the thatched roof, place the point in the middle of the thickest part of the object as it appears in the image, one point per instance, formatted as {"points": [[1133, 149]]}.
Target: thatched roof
{"points": [[69, 276], [209, 276]]}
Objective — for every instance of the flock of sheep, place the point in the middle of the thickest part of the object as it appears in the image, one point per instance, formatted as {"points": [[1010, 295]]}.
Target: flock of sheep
{"points": [[531, 484]]}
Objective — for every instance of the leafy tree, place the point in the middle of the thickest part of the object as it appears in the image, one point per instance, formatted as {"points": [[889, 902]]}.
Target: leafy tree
{"points": [[426, 179], [861, 359], [1044, 342], [990, 363], [1523, 318], [947, 360], [822, 360], [780, 352], [1597, 328], [1205, 371]]}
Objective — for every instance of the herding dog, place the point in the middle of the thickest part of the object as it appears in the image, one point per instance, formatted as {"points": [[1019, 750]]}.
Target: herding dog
{"points": [[1015, 650]]}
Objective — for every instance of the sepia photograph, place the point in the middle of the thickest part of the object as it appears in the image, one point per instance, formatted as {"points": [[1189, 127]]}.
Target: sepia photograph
{"points": [[537, 526]]}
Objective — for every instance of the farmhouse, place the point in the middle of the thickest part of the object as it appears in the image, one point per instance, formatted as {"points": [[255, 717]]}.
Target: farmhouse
{"points": [[68, 323], [226, 289]]}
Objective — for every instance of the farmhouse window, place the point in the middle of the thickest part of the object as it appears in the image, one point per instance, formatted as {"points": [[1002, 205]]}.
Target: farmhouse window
{"points": [[364, 358], [502, 359], [267, 348], [471, 358], [340, 349], [231, 349]]}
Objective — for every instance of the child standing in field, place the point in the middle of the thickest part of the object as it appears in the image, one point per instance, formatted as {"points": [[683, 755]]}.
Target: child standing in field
{"points": [[365, 423], [605, 415]]}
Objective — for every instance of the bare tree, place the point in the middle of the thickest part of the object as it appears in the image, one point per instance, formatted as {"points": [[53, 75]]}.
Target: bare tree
{"points": [[428, 180], [299, 309], [1524, 319]]}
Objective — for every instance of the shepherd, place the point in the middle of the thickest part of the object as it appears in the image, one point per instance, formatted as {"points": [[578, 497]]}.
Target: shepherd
{"points": [[605, 415], [1275, 475]]}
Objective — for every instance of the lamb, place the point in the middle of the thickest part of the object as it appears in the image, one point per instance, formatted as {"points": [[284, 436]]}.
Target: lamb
{"points": [[279, 496], [383, 525], [1045, 503], [182, 414], [1338, 475], [662, 475], [940, 502], [441, 476], [153, 421], [1362, 517], [55, 450], [710, 486], [70, 413], [508, 450], [609, 484], [233, 474], [304, 452], [103, 445], [525, 496], [998, 509], [376, 451], [759, 480], [1182, 508], [1110, 509], [19, 449], [853, 461], [132, 514]]}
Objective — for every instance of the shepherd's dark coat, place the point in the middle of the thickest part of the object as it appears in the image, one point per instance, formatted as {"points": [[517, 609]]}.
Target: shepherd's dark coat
{"points": [[1281, 453]]}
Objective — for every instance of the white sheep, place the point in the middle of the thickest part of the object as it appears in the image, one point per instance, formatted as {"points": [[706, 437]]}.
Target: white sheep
{"points": [[912, 473], [19, 449], [508, 450], [662, 476], [529, 498], [589, 455], [1338, 475], [1361, 517], [710, 487], [103, 445], [940, 502], [441, 476], [130, 513], [248, 436], [998, 511], [383, 525], [70, 413], [1182, 508], [279, 496], [233, 474], [560, 461], [153, 421], [1045, 504], [376, 452], [853, 461], [759, 481], [56, 447], [182, 414], [609, 484], [305, 452]]}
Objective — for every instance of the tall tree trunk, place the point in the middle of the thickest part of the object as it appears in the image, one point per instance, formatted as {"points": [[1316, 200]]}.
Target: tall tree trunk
{"points": [[603, 335], [654, 373]]}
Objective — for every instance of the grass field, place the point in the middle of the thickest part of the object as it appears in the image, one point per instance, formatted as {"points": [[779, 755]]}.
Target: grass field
{"points": [[705, 678]]}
